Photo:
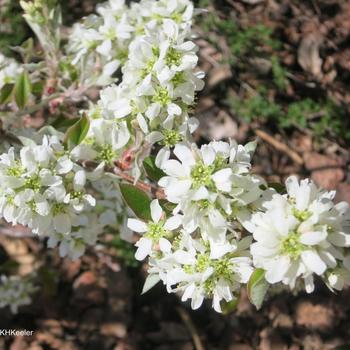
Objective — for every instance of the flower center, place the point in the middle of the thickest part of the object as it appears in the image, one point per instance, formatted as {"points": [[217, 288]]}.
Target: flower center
{"points": [[179, 78], [201, 175], [58, 208], [106, 154], [173, 57], [171, 138], [301, 215], [291, 246], [161, 96], [33, 183], [16, 170], [155, 231]]}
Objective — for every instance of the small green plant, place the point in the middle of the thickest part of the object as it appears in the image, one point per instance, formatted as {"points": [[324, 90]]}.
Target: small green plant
{"points": [[256, 107], [279, 73], [13, 28], [241, 41], [323, 118]]}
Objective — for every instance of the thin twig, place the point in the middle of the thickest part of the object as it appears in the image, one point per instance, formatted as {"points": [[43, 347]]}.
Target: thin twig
{"points": [[154, 190], [186, 319], [282, 147]]}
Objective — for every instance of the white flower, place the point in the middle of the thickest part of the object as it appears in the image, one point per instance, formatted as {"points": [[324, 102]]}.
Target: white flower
{"points": [[15, 291], [190, 269], [155, 231], [300, 234], [210, 184]]}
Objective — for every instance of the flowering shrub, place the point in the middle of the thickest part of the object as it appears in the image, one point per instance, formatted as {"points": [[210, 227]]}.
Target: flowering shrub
{"points": [[208, 226]]}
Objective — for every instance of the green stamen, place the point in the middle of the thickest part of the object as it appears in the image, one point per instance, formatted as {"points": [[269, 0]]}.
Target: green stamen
{"points": [[291, 246], [201, 175]]}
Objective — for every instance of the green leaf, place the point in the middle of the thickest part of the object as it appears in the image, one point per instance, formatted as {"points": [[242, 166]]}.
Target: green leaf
{"points": [[278, 187], [250, 147], [167, 206], [257, 287], [6, 93], [137, 200], [22, 89], [152, 171], [77, 132], [150, 282], [228, 307], [62, 122], [38, 88]]}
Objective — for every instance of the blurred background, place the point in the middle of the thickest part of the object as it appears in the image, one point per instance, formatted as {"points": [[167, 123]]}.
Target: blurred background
{"points": [[276, 70]]}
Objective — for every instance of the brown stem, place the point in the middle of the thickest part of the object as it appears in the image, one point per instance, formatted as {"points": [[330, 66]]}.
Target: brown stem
{"points": [[154, 190], [282, 147], [186, 319]]}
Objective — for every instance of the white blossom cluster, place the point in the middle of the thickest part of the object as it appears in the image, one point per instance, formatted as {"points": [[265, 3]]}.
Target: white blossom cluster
{"points": [[153, 100], [101, 42], [9, 70], [302, 234], [15, 291], [45, 189], [225, 223], [199, 250], [218, 223]]}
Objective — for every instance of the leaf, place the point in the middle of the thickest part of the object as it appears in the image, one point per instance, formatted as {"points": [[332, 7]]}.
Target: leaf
{"points": [[257, 287], [167, 206], [250, 147], [228, 307], [63, 122], [150, 282], [22, 89], [152, 171], [37, 88], [6, 93], [77, 132], [279, 188], [137, 200]]}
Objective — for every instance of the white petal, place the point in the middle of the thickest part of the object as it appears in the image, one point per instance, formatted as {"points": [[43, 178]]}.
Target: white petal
{"points": [[64, 165], [309, 284], [79, 180], [188, 292], [313, 262], [313, 238], [144, 248], [173, 223], [162, 156], [156, 211], [164, 245], [185, 154], [137, 225], [340, 239], [62, 223], [208, 154], [278, 269]]}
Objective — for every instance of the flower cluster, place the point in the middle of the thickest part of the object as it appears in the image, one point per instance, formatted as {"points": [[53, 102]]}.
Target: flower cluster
{"points": [[302, 234], [153, 100], [47, 190], [101, 41], [219, 225], [187, 263], [200, 250], [15, 292], [212, 186]]}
